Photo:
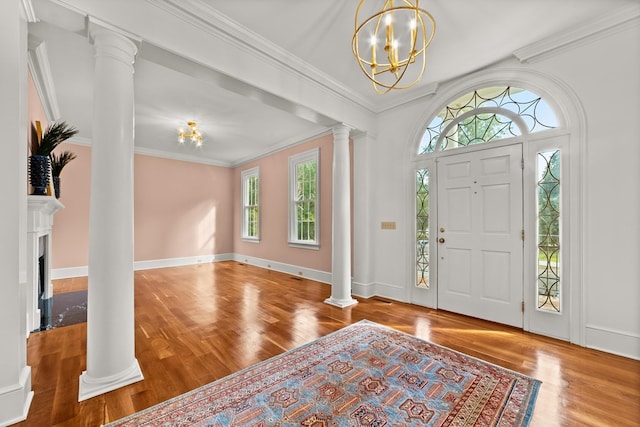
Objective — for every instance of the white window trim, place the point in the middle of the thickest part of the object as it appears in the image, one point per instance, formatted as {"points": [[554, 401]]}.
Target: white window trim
{"points": [[307, 156], [245, 176]]}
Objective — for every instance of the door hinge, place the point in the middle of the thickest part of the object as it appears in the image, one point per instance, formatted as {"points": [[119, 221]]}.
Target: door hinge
{"points": [[523, 306], [522, 163], [522, 234]]}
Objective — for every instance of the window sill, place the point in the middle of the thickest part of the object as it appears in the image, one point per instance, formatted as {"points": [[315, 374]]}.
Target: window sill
{"points": [[302, 245], [250, 239]]}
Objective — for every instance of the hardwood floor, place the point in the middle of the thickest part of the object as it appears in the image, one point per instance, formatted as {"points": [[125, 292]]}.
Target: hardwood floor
{"points": [[199, 323]]}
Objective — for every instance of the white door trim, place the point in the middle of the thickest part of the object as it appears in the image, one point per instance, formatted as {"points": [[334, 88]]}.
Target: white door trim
{"points": [[572, 124]]}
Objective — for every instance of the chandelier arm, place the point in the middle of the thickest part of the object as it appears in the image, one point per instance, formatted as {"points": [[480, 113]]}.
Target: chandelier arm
{"points": [[394, 65], [378, 15]]}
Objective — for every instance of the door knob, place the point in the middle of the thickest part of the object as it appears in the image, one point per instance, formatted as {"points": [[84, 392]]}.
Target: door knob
{"points": [[441, 240]]}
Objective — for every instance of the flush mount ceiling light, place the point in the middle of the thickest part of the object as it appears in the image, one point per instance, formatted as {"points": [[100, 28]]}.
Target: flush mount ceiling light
{"points": [[193, 134], [391, 43]]}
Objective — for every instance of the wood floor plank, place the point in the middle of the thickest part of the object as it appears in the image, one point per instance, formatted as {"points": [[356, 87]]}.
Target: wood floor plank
{"points": [[196, 324]]}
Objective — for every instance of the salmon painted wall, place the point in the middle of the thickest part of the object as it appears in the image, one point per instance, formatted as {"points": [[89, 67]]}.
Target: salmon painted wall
{"points": [[184, 209], [274, 185], [181, 209], [70, 234]]}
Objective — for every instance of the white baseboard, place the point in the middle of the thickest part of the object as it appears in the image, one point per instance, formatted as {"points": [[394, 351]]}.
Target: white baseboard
{"points": [[369, 290], [16, 400], [394, 292], [177, 262], [65, 273], [363, 290], [309, 273], [317, 275], [611, 341]]}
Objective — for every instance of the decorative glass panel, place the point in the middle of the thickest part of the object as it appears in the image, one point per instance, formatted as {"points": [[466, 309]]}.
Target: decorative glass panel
{"points": [[478, 129], [548, 243], [531, 108], [422, 228]]}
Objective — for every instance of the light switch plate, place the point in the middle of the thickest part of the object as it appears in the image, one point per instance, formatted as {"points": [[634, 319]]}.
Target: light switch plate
{"points": [[388, 225]]}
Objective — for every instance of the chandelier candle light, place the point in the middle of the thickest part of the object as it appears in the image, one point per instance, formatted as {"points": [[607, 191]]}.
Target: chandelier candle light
{"points": [[407, 31], [194, 134]]}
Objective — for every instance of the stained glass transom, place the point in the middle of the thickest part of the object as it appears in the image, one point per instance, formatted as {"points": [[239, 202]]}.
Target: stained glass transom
{"points": [[422, 228], [548, 236], [534, 111]]}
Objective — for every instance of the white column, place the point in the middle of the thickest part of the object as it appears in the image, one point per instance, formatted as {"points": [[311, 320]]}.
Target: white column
{"points": [[341, 254], [111, 361], [15, 374]]}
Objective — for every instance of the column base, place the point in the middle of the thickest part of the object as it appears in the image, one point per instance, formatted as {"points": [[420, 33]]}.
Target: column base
{"points": [[92, 387], [16, 400], [342, 303]]}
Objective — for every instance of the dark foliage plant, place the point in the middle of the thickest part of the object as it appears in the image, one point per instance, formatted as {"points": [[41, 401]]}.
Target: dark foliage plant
{"points": [[60, 161], [55, 134]]}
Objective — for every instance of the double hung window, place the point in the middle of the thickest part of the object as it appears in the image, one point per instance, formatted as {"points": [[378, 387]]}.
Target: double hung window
{"points": [[251, 204], [304, 199]]}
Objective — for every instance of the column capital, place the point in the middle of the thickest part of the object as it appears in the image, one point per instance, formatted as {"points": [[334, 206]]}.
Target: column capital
{"points": [[360, 136], [341, 131], [113, 42]]}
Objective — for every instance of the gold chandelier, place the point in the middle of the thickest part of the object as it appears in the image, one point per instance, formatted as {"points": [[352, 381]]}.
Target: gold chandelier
{"points": [[193, 135], [406, 30]]}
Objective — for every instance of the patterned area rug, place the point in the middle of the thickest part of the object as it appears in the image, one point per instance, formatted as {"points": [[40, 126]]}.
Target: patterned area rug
{"points": [[362, 375]]}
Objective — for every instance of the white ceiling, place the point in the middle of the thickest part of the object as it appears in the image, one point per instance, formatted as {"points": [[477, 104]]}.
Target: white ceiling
{"points": [[242, 119]]}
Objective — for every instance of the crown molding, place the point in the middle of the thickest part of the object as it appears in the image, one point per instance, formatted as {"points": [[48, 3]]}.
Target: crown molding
{"points": [[179, 156], [27, 11], [38, 63], [578, 35], [416, 94], [205, 17], [87, 142], [288, 143]]}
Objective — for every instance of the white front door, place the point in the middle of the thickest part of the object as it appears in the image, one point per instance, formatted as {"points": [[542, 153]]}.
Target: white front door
{"points": [[479, 234]]}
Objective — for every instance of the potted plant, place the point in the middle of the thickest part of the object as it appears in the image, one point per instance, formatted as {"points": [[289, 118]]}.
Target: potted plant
{"points": [[57, 164], [41, 148]]}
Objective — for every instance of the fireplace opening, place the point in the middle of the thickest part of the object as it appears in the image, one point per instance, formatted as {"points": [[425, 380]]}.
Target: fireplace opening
{"points": [[44, 303], [56, 310]]}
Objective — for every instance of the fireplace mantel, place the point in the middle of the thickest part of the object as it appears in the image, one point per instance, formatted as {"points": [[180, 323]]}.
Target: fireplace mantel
{"points": [[40, 211]]}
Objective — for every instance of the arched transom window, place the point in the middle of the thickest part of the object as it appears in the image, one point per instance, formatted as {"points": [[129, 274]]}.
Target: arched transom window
{"points": [[486, 115]]}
